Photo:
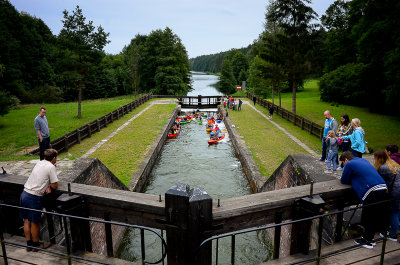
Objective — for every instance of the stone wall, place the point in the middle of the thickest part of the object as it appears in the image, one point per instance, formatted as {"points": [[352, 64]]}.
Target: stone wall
{"points": [[139, 178], [91, 171]]}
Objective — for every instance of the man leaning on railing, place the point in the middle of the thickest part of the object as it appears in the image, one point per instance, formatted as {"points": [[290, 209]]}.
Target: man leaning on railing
{"points": [[41, 181]]}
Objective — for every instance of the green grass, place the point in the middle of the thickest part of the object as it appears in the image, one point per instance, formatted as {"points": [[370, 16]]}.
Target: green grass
{"points": [[380, 129], [268, 144], [124, 152], [17, 129]]}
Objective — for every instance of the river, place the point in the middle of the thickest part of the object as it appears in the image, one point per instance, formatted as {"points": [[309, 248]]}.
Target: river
{"points": [[189, 159]]}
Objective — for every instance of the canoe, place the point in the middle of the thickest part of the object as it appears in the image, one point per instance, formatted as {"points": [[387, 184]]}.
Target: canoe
{"points": [[172, 135], [217, 140]]}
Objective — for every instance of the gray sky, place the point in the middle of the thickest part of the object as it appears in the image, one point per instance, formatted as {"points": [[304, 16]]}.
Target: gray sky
{"points": [[205, 27]]}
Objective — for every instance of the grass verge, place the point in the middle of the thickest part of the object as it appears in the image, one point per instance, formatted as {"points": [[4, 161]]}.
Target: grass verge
{"points": [[380, 129], [17, 129], [269, 145], [126, 150]]}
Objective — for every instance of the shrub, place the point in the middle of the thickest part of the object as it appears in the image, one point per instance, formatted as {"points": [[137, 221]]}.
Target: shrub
{"points": [[345, 85]]}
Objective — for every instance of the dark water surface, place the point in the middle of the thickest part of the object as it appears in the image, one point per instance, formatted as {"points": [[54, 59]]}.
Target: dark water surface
{"points": [[189, 159]]}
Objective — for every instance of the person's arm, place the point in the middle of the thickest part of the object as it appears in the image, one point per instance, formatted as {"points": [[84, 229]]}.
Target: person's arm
{"points": [[334, 125], [37, 128], [346, 175], [357, 139]]}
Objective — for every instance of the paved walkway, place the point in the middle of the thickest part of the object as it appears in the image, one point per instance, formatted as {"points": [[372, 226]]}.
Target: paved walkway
{"points": [[291, 136]]}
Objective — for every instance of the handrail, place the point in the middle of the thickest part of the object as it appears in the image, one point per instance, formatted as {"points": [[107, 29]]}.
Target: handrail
{"points": [[68, 255], [318, 257]]}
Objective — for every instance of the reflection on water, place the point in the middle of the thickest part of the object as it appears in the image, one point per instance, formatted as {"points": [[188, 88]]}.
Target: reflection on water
{"points": [[189, 159]]}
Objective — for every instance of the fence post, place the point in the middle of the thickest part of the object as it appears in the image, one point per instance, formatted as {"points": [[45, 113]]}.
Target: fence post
{"points": [[98, 125], [277, 235], [109, 242], [89, 130], [188, 214], [66, 143], [78, 135]]}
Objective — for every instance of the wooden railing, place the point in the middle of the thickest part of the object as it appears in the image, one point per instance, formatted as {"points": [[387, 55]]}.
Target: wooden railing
{"points": [[297, 120], [63, 143]]}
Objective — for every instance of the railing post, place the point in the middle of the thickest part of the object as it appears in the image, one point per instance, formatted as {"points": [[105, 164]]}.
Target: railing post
{"points": [[189, 215], [67, 240], [109, 241], [320, 228], [277, 235], [3, 246]]}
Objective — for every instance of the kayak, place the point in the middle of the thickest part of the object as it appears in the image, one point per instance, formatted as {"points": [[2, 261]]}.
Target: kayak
{"points": [[217, 140], [219, 121], [208, 129], [173, 135], [199, 121]]}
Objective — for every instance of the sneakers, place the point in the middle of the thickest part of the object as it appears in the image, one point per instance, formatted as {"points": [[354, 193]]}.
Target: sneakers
{"points": [[320, 160], [42, 245], [364, 243], [339, 168], [389, 237], [328, 171]]}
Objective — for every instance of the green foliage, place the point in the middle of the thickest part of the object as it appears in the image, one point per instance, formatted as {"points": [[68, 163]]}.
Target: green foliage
{"points": [[4, 103], [226, 83], [345, 85], [257, 82]]}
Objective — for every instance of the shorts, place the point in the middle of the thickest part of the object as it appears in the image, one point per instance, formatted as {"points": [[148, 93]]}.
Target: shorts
{"points": [[28, 200]]}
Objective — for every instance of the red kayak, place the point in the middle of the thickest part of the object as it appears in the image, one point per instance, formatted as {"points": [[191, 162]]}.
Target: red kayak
{"points": [[172, 135], [217, 140]]}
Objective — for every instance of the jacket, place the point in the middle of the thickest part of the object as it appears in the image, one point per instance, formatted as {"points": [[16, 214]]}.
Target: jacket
{"points": [[357, 140], [391, 179], [396, 157]]}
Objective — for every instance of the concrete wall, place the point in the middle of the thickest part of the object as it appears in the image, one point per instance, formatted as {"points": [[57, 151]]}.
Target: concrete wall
{"points": [[139, 178]]}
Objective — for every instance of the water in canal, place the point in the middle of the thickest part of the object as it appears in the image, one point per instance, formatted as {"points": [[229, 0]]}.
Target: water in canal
{"points": [[189, 159]]}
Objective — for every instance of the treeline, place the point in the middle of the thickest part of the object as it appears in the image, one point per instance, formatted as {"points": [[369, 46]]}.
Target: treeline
{"points": [[354, 49], [212, 63], [39, 67]]}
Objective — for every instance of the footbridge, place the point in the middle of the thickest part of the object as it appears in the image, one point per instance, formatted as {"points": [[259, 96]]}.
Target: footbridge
{"points": [[199, 102]]}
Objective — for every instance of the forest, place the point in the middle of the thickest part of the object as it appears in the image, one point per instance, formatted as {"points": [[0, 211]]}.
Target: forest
{"points": [[354, 49], [37, 66]]}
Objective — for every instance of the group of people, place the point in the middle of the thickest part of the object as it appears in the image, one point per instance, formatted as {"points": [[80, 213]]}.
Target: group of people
{"points": [[231, 103], [348, 136], [377, 186]]}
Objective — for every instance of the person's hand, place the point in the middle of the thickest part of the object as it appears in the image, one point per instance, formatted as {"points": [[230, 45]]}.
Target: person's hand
{"points": [[48, 190], [41, 139]]}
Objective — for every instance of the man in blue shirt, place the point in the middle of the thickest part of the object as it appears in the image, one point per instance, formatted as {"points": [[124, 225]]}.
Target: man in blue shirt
{"points": [[370, 188], [42, 131], [330, 124]]}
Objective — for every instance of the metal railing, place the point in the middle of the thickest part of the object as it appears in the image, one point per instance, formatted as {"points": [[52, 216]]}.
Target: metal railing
{"points": [[67, 236], [318, 257]]}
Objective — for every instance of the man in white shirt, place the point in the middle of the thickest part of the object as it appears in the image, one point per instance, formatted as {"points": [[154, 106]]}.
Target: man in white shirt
{"points": [[41, 181]]}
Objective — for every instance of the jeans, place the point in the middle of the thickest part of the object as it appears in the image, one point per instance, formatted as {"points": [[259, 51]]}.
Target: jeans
{"points": [[240, 107], [332, 157], [394, 221], [324, 146], [45, 144], [356, 153]]}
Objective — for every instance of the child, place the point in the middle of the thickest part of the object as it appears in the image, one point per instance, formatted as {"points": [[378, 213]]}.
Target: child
{"points": [[271, 112], [332, 148]]}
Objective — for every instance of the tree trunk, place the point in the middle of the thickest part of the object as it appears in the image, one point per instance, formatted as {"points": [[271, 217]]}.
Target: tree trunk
{"points": [[294, 97], [80, 89], [272, 93], [279, 95]]}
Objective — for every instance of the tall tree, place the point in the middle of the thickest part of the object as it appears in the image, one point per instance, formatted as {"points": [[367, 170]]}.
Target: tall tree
{"points": [[82, 39], [294, 17]]}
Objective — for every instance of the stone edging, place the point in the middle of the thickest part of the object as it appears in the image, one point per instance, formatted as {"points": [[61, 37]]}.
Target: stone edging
{"points": [[250, 167], [139, 178]]}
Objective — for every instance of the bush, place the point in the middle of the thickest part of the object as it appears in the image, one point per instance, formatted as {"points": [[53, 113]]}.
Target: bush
{"points": [[345, 85], [14, 102], [4, 103]]}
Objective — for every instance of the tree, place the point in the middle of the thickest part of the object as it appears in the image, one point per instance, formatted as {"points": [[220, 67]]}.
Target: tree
{"points": [[82, 39], [227, 81], [294, 18]]}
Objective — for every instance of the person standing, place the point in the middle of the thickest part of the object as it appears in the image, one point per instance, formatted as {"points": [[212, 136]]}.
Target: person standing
{"points": [[393, 151], [254, 100], [271, 111], [345, 129], [370, 189], [40, 182], [356, 138], [42, 131], [390, 172], [240, 104], [330, 124], [333, 148]]}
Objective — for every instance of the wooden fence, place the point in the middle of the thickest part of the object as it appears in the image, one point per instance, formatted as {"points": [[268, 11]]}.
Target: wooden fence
{"points": [[297, 120], [63, 143]]}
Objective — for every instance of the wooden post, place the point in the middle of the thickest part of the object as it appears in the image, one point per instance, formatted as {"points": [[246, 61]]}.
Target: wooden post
{"points": [[98, 125], [78, 135], [277, 235], [89, 130], [66, 143], [105, 121], [109, 241], [188, 214], [302, 123]]}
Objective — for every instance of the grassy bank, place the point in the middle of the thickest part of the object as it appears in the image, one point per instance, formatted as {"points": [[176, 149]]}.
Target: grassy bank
{"points": [[126, 150], [380, 129], [268, 144], [18, 133]]}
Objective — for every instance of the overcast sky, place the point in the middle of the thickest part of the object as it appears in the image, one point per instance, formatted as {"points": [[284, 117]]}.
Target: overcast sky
{"points": [[204, 26]]}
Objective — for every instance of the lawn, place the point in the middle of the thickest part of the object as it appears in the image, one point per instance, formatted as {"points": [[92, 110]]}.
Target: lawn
{"points": [[125, 151], [268, 144], [380, 129], [18, 133]]}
